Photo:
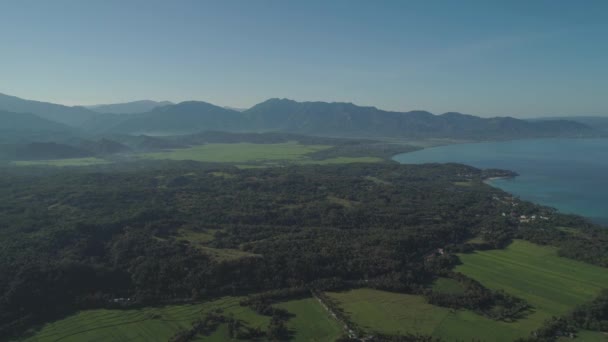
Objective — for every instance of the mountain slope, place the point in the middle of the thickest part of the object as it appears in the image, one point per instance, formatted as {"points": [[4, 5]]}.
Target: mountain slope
{"points": [[312, 118], [72, 116], [338, 119], [128, 107], [597, 122], [185, 117], [344, 119], [15, 127]]}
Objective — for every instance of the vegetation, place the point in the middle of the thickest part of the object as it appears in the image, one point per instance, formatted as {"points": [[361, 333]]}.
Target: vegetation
{"points": [[308, 320], [448, 285], [151, 324], [126, 236], [238, 153], [62, 162], [314, 118], [551, 284], [311, 322], [388, 312]]}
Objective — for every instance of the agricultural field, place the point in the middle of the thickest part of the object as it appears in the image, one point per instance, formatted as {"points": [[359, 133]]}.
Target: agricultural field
{"points": [[244, 155], [238, 153], [310, 322], [264, 154], [146, 324], [62, 162], [388, 312], [551, 284], [447, 285]]}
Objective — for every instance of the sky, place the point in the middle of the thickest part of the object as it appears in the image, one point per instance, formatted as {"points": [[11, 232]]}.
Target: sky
{"points": [[519, 58]]}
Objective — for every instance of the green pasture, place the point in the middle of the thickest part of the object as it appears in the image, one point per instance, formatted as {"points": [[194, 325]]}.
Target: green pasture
{"points": [[238, 153], [146, 324], [266, 154], [447, 285], [62, 162], [311, 322], [551, 284]]}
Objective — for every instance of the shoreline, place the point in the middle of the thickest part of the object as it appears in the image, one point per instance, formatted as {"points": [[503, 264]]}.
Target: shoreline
{"points": [[493, 180]]}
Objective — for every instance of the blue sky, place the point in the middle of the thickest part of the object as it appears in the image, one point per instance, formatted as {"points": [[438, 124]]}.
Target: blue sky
{"points": [[518, 58]]}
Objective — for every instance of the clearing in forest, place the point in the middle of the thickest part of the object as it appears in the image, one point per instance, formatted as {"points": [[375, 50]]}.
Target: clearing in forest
{"points": [[268, 154]]}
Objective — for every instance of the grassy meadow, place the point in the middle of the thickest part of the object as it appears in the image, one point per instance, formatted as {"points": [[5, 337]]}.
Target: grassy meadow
{"points": [[310, 322], [146, 324], [447, 285], [243, 155], [264, 154], [62, 162], [551, 284], [238, 153]]}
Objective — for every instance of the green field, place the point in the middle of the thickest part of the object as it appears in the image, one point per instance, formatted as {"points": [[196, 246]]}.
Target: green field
{"points": [[551, 284], [389, 312], [267, 154], [397, 313], [245, 155], [62, 162], [235, 153], [447, 285], [147, 324], [311, 321]]}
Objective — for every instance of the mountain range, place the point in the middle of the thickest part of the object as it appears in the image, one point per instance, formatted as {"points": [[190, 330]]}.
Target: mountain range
{"points": [[278, 115], [128, 107], [597, 122]]}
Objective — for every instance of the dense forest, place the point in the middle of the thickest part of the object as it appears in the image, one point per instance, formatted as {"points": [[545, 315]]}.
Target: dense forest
{"points": [[140, 235]]}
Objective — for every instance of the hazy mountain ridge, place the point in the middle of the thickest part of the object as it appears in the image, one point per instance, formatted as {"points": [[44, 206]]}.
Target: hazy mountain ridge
{"points": [[597, 122], [72, 116], [16, 127], [312, 118], [344, 119], [133, 107]]}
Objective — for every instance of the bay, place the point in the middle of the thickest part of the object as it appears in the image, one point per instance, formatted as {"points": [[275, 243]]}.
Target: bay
{"points": [[568, 174]]}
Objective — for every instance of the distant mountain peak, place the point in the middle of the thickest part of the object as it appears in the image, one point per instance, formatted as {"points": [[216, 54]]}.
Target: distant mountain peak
{"points": [[73, 116], [133, 107]]}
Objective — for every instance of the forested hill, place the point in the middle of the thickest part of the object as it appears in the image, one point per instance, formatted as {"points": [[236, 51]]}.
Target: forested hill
{"points": [[72, 116], [341, 119], [597, 122], [283, 115], [128, 107], [15, 127]]}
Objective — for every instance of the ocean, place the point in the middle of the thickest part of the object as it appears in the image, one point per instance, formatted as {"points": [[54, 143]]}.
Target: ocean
{"points": [[568, 174]]}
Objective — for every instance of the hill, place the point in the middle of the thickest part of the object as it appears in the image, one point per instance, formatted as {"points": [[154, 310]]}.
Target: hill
{"points": [[349, 119], [16, 127], [47, 150], [597, 122], [309, 118], [72, 116], [341, 119], [185, 117], [133, 107]]}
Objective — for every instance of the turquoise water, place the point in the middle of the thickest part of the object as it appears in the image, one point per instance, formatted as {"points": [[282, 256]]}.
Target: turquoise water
{"points": [[568, 174]]}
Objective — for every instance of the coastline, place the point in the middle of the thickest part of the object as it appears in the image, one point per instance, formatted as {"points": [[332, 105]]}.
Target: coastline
{"points": [[537, 160]]}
